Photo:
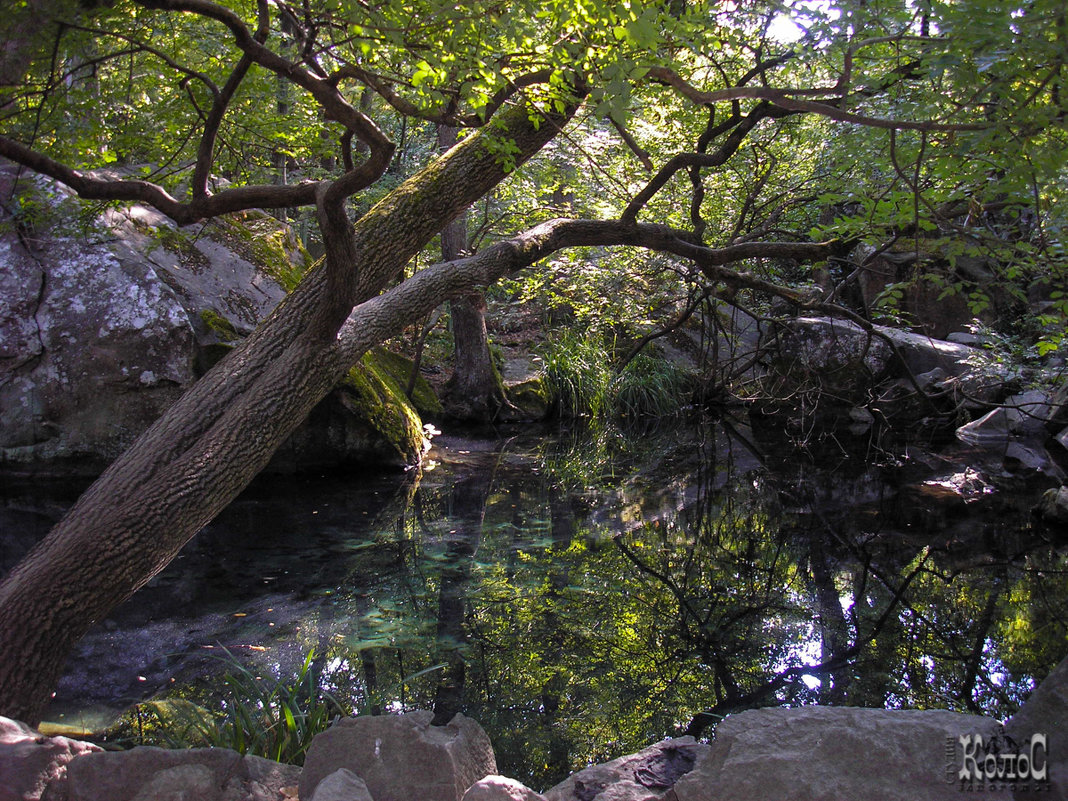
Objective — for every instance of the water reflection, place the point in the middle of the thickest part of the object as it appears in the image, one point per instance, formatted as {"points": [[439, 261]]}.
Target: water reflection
{"points": [[584, 595]]}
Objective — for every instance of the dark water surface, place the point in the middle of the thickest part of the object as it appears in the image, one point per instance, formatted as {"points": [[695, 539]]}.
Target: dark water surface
{"points": [[583, 595]]}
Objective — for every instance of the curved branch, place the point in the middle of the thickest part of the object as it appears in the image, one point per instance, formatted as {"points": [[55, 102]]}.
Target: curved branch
{"points": [[381, 86], [742, 126], [377, 318], [205, 151], [324, 91], [791, 100], [91, 187]]}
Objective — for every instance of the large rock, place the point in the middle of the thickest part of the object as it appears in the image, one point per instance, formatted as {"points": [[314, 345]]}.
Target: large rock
{"points": [[500, 788], [1046, 713], [105, 321], [835, 754], [402, 757], [93, 345], [1053, 507], [922, 353], [34, 767], [1022, 416], [645, 776], [836, 356], [341, 785], [840, 357], [157, 774]]}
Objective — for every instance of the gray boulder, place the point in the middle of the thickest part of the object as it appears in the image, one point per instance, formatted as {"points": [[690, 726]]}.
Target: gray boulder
{"points": [[402, 757], [1053, 507], [841, 357], [1046, 713], [1022, 416], [158, 774], [645, 776], [341, 785], [500, 788], [922, 353], [835, 754], [837, 356], [34, 767], [105, 321]]}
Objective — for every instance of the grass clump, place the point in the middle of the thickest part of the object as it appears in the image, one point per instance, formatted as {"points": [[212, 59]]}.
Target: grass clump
{"points": [[650, 387], [583, 383], [259, 715], [578, 373]]}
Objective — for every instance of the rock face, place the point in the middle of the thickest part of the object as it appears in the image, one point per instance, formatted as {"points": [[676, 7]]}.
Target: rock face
{"points": [[1046, 713], [402, 757], [104, 322], [837, 356], [645, 776], [834, 754], [93, 345], [32, 767], [842, 358], [1022, 416], [826, 753], [341, 785], [923, 354], [157, 774], [500, 788], [1053, 508]]}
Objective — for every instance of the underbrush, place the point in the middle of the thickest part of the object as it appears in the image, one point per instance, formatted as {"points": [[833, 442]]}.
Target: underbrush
{"points": [[583, 383], [259, 715]]}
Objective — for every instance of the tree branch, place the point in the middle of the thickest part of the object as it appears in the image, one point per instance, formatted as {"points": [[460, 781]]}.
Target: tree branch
{"points": [[791, 100]]}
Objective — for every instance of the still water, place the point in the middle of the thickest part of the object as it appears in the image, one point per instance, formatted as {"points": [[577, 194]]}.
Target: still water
{"points": [[584, 594]]}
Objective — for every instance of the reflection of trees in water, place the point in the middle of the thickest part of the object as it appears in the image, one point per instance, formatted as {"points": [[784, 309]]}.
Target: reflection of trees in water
{"points": [[577, 628]]}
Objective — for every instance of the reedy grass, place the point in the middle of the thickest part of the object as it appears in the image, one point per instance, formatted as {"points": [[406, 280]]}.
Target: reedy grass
{"points": [[272, 718], [650, 387], [580, 377]]}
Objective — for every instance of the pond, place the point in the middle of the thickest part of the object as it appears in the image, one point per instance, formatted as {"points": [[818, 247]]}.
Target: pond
{"points": [[583, 594]]}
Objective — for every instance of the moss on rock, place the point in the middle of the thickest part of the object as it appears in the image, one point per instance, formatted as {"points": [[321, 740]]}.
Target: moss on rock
{"points": [[219, 325], [399, 368], [532, 399], [370, 392], [264, 241]]}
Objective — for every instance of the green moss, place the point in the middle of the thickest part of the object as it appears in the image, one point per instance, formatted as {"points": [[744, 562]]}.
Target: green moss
{"points": [[399, 369], [377, 397], [219, 325], [265, 242], [181, 245], [533, 398]]}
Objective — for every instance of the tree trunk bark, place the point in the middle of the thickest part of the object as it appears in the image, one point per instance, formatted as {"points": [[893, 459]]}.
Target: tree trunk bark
{"points": [[207, 447], [475, 392]]}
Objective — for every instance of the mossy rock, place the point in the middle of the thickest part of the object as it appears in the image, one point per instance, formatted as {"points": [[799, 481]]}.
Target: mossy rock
{"points": [[399, 368], [370, 391], [365, 422], [219, 325], [265, 242], [532, 399]]}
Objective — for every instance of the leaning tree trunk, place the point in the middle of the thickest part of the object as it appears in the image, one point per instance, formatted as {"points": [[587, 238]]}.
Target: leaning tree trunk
{"points": [[207, 447], [475, 391]]}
